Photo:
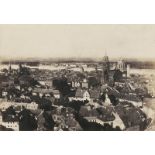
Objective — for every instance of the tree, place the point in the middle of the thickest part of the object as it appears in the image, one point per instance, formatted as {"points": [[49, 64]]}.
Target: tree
{"points": [[27, 120], [10, 111], [49, 122], [92, 81], [45, 104], [24, 70], [76, 105], [62, 85], [33, 82]]}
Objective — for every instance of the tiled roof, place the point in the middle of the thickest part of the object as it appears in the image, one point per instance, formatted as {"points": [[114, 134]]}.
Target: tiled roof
{"points": [[79, 93], [131, 97]]}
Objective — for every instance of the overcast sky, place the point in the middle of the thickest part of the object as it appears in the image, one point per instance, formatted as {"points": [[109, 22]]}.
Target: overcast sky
{"points": [[77, 41]]}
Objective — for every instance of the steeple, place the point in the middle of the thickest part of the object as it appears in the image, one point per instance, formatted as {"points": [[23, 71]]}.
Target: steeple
{"points": [[105, 58], [105, 69], [10, 68]]}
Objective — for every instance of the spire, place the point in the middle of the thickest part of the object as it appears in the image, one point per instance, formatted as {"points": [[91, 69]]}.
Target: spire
{"points": [[105, 53], [106, 58], [10, 66]]}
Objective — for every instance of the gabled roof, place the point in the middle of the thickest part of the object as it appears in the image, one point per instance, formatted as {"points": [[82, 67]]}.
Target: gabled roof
{"points": [[80, 92], [130, 97], [113, 91]]}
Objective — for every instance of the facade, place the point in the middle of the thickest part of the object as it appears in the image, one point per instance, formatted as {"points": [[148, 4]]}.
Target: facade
{"points": [[81, 95], [128, 70], [31, 106], [85, 84], [44, 91], [48, 83], [117, 122], [56, 94], [76, 84], [9, 124], [121, 65], [136, 101], [107, 101], [151, 90], [5, 105], [4, 93]]}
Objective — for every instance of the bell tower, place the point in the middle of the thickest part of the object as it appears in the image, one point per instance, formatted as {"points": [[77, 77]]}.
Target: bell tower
{"points": [[105, 69]]}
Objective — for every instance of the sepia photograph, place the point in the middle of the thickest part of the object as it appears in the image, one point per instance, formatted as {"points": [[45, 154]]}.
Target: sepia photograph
{"points": [[77, 77]]}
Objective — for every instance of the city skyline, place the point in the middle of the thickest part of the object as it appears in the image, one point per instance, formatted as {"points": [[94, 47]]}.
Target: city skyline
{"points": [[77, 41], [77, 78]]}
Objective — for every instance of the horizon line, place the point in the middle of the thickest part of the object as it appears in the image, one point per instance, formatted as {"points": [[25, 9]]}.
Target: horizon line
{"points": [[73, 58]]}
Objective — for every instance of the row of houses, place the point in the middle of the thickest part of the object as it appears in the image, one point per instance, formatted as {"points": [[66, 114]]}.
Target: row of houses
{"points": [[6, 104], [78, 84], [95, 94], [117, 122], [102, 115], [46, 92], [85, 94]]}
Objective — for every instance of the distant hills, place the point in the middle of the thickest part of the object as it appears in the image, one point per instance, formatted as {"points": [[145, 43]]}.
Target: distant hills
{"points": [[135, 63]]}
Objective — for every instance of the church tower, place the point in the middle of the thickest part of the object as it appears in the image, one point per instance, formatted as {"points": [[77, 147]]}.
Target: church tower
{"points": [[10, 68], [121, 65], [105, 69]]}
